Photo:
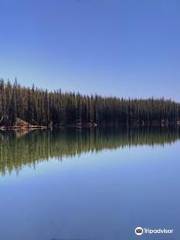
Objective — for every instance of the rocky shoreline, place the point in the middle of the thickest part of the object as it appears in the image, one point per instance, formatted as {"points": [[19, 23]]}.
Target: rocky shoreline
{"points": [[21, 125]]}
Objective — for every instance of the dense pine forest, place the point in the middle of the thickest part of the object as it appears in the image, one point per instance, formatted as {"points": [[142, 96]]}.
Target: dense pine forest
{"points": [[59, 109]]}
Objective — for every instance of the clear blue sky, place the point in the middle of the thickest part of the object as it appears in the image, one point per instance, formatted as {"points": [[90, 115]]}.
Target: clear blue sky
{"points": [[128, 48]]}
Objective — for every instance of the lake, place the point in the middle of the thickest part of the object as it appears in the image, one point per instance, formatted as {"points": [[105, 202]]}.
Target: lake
{"points": [[89, 184]]}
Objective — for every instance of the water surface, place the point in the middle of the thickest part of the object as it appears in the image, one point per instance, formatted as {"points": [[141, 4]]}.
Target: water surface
{"points": [[89, 184]]}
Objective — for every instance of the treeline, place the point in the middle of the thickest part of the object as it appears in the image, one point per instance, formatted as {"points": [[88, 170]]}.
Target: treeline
{"points": [[55, 108]]}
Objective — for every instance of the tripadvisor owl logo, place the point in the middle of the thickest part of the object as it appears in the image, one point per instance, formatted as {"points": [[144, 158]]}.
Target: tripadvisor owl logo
{"points": [[139, 231]]}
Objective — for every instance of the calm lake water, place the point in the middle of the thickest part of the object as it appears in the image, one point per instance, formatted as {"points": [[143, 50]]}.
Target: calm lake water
{"points": [[89, 185]]}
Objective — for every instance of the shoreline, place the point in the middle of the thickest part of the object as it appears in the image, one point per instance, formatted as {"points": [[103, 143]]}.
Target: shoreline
{"points": [[85, 126]]}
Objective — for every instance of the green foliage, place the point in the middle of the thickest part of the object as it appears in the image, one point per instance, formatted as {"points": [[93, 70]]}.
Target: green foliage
{"points": [[43, 107]]}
